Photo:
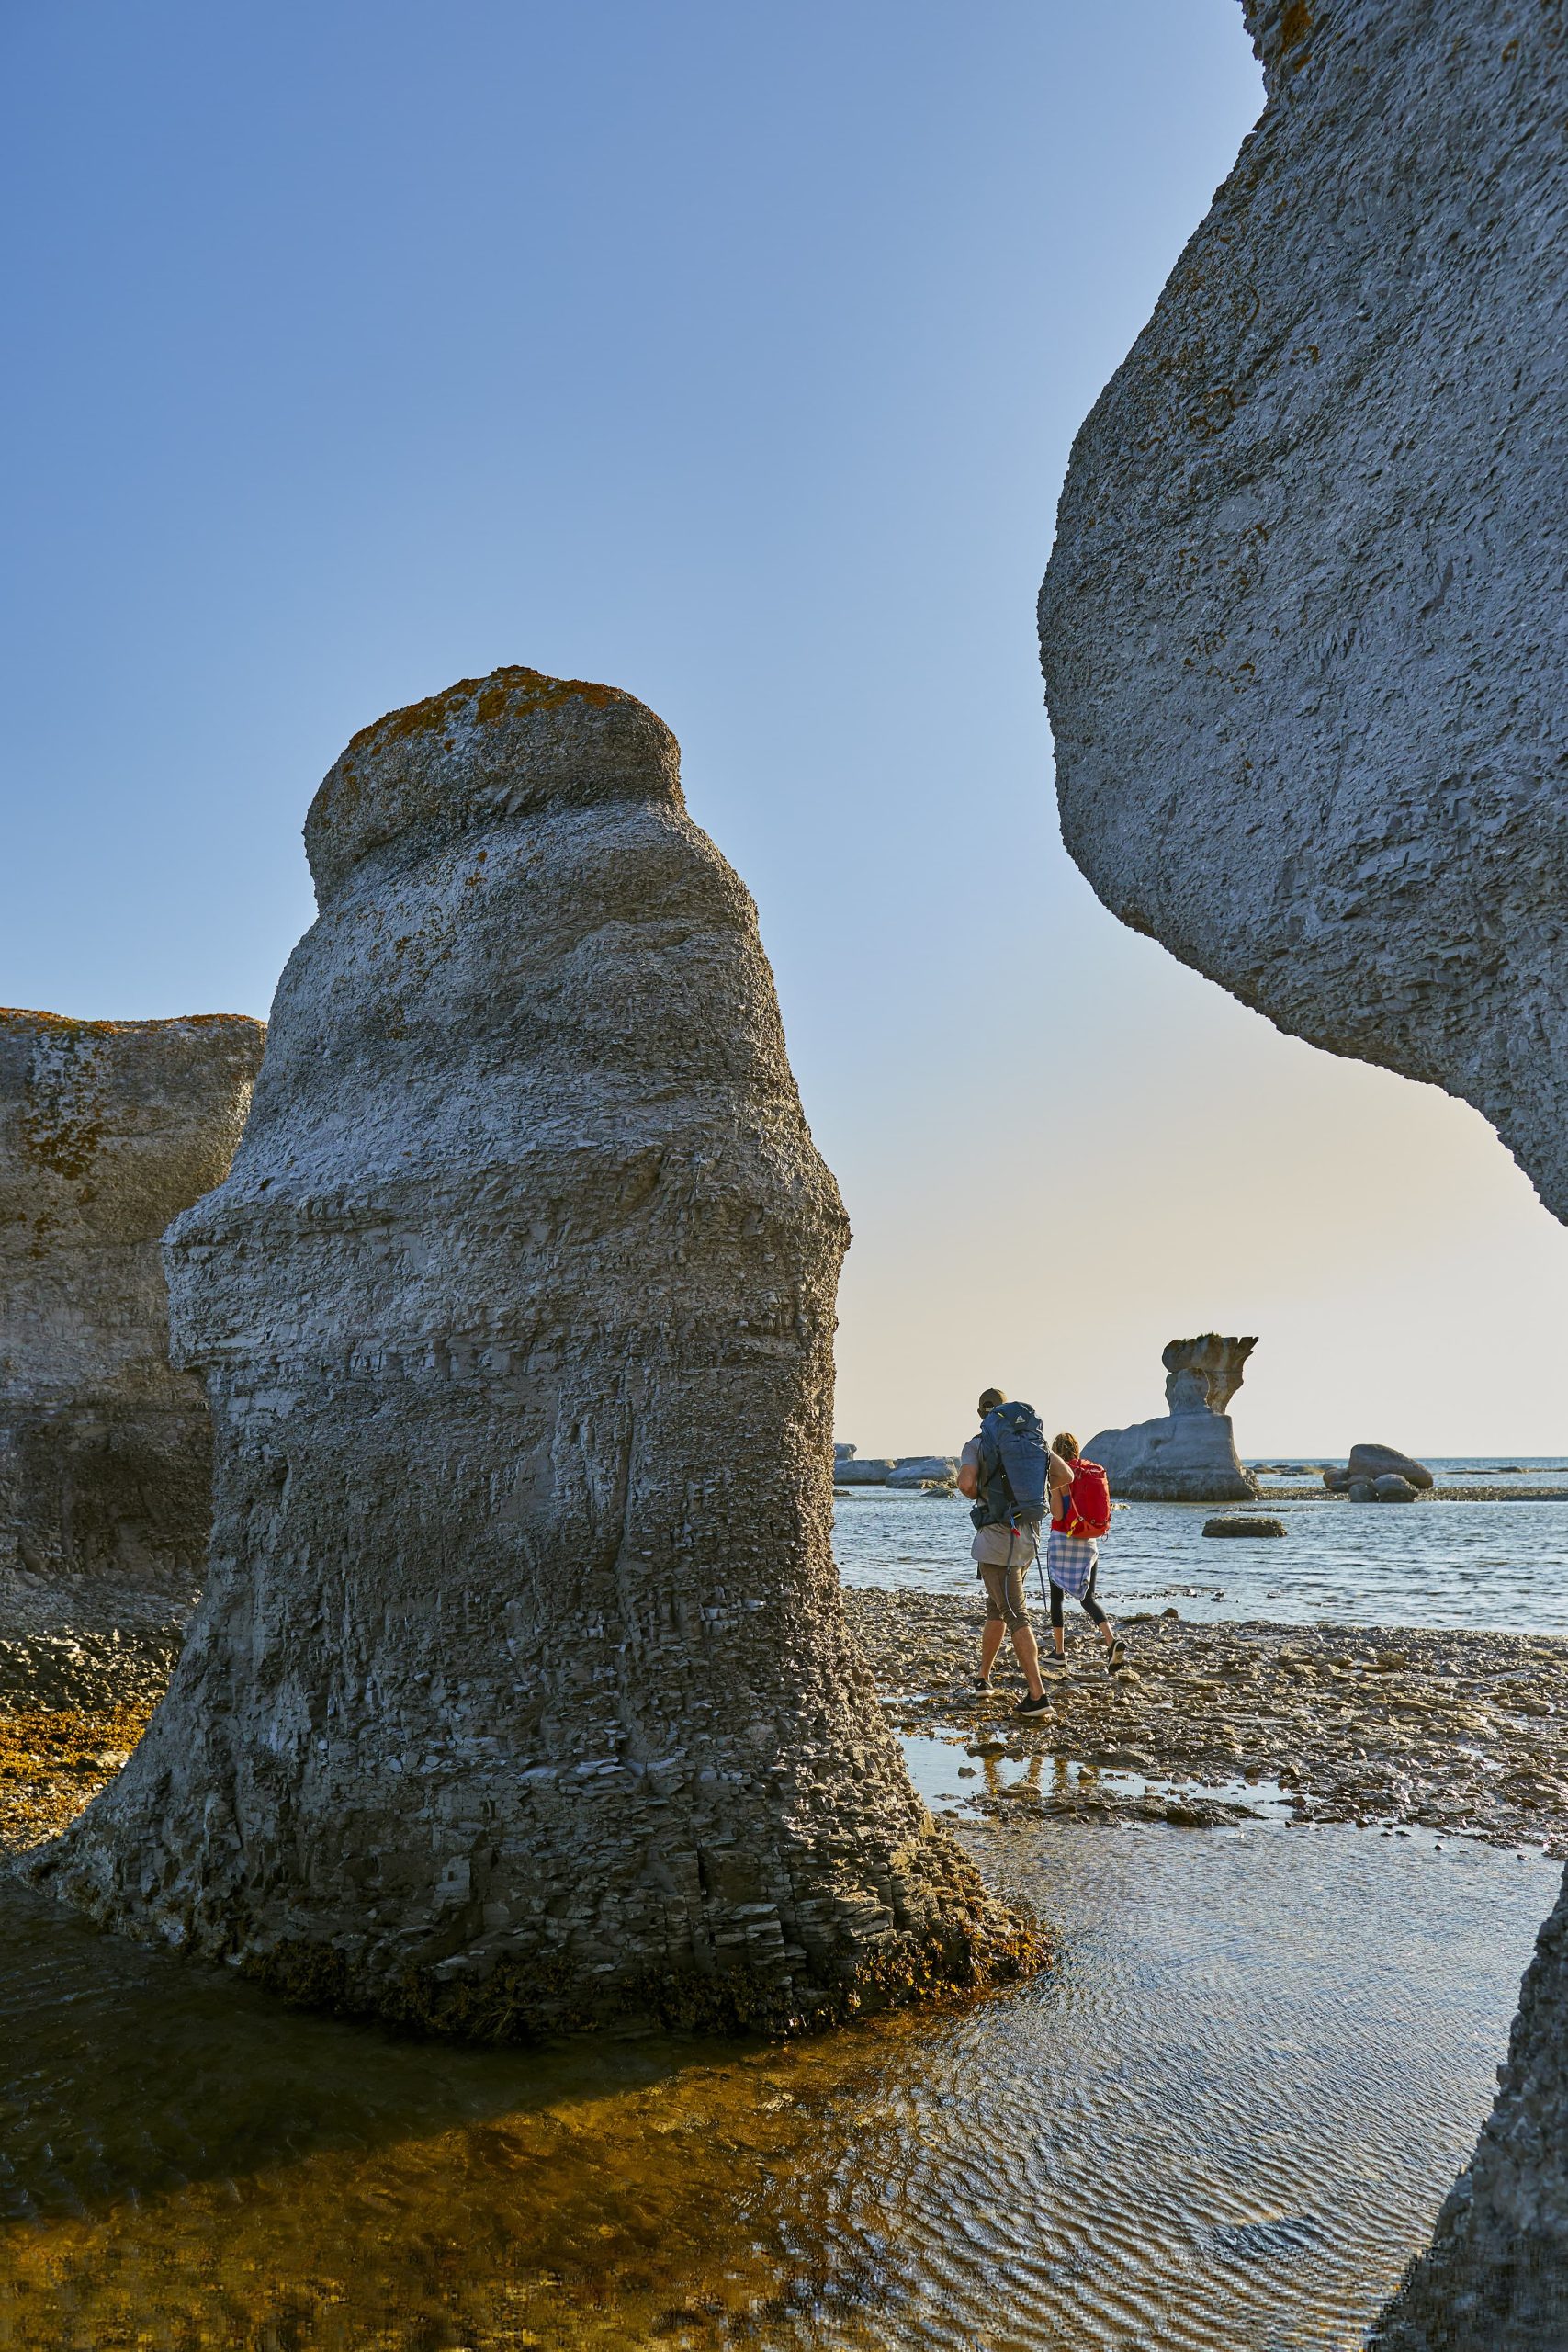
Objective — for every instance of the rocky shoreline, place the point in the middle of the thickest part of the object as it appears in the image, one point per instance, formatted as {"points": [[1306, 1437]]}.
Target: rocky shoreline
{"points": [[1275, 1494], [1455, 1732], [1451, 1732]]}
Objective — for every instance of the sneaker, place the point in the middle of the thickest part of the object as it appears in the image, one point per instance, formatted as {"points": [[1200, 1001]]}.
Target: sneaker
{"points": [[1032, 1706], [1051, 1670], [1116, 1658]]}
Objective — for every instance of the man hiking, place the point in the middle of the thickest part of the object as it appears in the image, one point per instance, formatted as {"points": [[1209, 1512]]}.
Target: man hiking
{"points": [[1072, 1562], [1006, 1513]]}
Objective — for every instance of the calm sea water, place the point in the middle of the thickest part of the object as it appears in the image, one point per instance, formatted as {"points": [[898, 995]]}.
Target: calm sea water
{"points": [[1227, 2118], [1500, 1564]]}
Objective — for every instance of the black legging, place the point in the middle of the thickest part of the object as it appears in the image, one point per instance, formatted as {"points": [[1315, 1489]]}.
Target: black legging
{"points": [[1087, 1600]]}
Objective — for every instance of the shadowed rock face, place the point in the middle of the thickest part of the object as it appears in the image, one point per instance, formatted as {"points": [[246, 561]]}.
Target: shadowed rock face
{"points": [[108, 1129], [1303, 627], [1304, 649], [521, 1695], [1201, 1376]]}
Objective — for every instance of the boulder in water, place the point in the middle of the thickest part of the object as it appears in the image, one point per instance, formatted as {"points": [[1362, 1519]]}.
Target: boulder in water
{"points": [[1369, 1463], [919, 1469]]}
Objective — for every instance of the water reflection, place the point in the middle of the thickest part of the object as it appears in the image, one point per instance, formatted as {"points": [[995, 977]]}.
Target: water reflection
{"points": [[1035, 1777], [1227, 2118]]}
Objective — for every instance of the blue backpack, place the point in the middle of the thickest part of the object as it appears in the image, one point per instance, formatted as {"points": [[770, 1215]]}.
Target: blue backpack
{"points": [[1012, 1468]]}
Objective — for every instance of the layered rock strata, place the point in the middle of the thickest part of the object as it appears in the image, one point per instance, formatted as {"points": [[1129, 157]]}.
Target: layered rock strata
{"points": [[1305, 650], [520, 1697], [1188, 1454], [108, 1129]]}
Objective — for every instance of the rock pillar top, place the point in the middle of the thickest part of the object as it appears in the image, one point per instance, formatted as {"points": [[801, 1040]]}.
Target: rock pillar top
{"points": [[504, 746]]}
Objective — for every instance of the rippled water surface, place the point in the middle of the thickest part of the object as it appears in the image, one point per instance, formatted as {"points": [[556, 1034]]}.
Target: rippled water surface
{"points": [[1226, 2121], [1496, 1563]]}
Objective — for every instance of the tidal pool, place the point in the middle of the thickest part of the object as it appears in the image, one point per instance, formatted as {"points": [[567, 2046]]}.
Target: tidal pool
{"points": [[1227, 2119]]}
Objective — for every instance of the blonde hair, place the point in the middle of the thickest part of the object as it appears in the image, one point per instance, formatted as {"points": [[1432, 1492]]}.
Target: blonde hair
{"points": [[1066, 1445]]}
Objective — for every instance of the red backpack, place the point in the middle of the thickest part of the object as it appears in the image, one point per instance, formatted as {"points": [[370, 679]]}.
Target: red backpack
{"points": [[1086, 1505]]}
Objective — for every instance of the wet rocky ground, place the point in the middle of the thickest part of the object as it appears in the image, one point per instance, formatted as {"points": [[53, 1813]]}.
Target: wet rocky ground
{"points": [[74, 1703], [1456, 1732]]}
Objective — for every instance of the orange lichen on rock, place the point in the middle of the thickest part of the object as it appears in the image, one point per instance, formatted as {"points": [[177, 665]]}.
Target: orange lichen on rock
{"points": [[53, 1760], [493, 698]]}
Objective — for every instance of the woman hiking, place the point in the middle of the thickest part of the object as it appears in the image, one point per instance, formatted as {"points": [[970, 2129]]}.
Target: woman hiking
{"points": [[1072, 1564]]}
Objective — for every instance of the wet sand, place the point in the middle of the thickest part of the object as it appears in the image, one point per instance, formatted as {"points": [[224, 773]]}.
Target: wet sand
{"points": [[1446, 1731]]}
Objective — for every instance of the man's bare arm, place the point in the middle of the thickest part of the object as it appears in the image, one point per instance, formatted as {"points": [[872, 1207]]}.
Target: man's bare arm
{"points": [[968, 1480]]}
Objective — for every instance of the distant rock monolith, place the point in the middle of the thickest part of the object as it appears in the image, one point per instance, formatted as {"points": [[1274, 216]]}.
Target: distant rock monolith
{"points": [[923, 1469], [1307, 659], [1188, 1455], [875, 1471], [108, 1129], [521, 1696]]}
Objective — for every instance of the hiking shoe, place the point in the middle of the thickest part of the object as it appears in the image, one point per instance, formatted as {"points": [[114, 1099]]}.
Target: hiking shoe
{"points": [[1032, 1706]]}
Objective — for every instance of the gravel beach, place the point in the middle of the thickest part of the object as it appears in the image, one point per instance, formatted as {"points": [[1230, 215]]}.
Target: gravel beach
{"points": [[1455, 1732], [1449, 1731]]}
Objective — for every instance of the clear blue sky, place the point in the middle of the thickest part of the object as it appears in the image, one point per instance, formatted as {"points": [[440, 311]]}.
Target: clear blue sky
{"points": [[731, 353]]}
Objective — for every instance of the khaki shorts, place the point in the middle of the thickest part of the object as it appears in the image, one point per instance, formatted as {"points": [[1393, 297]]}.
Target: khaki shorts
{"points": [[1004, 1594]]}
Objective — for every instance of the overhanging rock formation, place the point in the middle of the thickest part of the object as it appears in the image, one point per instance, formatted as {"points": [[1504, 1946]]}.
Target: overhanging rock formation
{"points": [[521, 1695], [108, 1129], [1188, 1455], [1304, 648], [1304, 625]]}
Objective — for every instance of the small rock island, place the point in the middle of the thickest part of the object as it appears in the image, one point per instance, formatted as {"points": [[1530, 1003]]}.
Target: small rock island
{"points": [[1188, 1455]]}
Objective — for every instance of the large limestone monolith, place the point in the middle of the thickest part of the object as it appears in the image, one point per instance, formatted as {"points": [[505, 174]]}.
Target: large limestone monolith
{"points": [[108, 1129], [521, 1695], [1187, 1455], [1303, 628], [1305, 654]]}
